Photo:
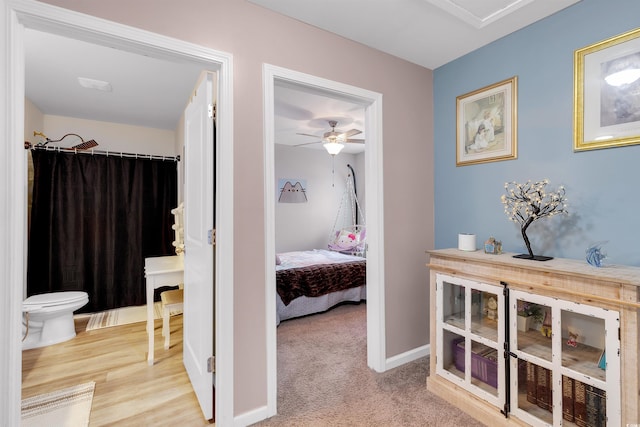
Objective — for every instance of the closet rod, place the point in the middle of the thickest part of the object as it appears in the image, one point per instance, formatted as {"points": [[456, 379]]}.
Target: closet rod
{"points": [[103, 153]]}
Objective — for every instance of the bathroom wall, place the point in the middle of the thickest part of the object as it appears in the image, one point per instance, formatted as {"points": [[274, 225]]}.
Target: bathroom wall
{"points": [[113, 136], [33, 120]]}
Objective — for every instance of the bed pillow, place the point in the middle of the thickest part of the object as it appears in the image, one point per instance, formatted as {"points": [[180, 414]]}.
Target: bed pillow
{"points": [[278, 261]]}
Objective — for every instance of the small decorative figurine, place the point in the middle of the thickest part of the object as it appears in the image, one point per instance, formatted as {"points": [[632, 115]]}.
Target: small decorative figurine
{"points": [[573, 339], [602, 363], [493, 246], [595, 255], [545, 329], [492, 309]]}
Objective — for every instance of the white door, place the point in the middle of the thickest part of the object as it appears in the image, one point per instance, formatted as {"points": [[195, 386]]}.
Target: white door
{"points": [[199, 200]]}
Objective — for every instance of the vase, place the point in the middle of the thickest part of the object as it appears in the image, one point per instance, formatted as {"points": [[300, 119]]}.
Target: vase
{"points": [[524, 323]]}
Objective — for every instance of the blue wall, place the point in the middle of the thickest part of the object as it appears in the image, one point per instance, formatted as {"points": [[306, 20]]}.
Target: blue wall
{"points": [[603, 186]]}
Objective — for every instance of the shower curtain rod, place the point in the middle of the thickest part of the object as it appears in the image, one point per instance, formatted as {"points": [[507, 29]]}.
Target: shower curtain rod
{"points": [[102, 152]]}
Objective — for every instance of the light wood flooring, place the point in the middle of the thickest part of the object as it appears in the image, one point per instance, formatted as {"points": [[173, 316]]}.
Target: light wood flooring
{"points": [[128, 392]]}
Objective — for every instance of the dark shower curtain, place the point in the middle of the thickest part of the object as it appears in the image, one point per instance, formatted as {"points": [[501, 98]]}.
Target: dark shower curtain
{"points": [[94, 219]]}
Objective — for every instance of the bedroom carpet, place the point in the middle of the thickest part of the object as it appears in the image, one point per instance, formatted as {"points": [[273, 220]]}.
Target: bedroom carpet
{"points": [[69, 407], [323, 379]]}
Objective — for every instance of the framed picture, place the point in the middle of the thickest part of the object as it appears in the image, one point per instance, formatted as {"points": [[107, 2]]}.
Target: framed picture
{"points": [[292, 190], [486, 124], [607, 93]]}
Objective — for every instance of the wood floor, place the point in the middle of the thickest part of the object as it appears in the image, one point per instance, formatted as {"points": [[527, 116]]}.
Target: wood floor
{"points": [[128, 392]]}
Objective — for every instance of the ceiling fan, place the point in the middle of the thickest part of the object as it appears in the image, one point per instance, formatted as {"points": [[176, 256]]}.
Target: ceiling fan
{"points": [[333, 141]]}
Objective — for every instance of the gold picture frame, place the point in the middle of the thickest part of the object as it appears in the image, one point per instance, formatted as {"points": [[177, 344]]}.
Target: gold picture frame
{"points": [[606, 110], [486, 122]]}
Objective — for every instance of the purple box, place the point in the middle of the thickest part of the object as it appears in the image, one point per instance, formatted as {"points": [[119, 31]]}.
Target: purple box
{"points": [[484, 362]]}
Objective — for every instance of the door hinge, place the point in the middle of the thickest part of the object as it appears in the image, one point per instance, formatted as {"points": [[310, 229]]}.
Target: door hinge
{"points": [[211, 236], [211, 111], [211, 364]]}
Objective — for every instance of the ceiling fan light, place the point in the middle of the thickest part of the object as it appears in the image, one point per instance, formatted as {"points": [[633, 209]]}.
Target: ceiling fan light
{"points": [[333, 148]]}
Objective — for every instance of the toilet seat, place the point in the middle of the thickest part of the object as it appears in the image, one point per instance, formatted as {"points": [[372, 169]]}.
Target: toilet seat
{"points": [[54, 299]]}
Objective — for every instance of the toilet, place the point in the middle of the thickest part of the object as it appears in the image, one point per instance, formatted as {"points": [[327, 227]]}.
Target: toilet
{"points": [[48, 318]]}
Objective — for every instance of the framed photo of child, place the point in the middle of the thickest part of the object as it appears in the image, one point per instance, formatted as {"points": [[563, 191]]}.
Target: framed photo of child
{"points": [[486, 121]]}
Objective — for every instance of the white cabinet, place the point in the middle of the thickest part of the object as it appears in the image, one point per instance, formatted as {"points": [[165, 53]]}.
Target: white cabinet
{"points": [[576, 365]]}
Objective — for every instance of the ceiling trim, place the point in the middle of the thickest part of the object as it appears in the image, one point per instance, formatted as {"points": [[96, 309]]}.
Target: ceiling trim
{"points": [[498, 11]]}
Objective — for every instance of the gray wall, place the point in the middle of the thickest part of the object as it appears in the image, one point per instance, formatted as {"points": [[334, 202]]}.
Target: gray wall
{"points": [[254, 36], [305, 226]]}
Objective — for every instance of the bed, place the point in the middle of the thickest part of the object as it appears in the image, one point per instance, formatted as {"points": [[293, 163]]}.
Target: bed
{"points": [[313, 281]]}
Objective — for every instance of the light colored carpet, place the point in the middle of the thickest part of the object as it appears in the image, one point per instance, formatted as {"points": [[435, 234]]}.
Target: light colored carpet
{"points": [[123, 316], [68, 407], [323, 379]]}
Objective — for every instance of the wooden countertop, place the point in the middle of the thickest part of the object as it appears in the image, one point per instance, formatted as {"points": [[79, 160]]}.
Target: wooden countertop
{"points": [[619, 274]]}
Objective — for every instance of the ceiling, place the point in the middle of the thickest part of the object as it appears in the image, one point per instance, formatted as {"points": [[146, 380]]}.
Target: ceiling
{"points": [[145, 91], [150, 92], [298, 110], [430, 33]]}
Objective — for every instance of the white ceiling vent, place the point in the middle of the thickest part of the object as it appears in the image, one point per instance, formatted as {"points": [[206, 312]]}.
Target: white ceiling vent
{"points": [[479, 13], [94, 84]]}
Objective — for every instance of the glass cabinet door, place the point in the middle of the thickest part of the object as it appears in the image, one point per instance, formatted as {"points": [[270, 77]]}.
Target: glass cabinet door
{"points": [[485, 313], [586, 333], [561, 371], [452, 359], [453, 304], [470, 327], [534, 321], [583, 344], [535, 391]]}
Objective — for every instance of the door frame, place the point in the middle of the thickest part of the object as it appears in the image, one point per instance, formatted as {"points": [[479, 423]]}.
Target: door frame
{"points": [[17, 15], [372, 102]]}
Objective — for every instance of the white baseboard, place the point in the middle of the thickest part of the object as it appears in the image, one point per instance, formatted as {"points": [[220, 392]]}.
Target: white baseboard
{"points": [[252, 417], [406, 357]]}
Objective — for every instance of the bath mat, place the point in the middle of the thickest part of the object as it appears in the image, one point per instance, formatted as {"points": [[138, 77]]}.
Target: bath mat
{"points": [[123, 316], [66, 407]]}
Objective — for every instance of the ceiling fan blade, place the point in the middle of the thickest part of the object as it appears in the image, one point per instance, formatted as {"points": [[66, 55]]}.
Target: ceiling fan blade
{"points": [[355, 141], [307, 143], [351, 132], [306, 134]]}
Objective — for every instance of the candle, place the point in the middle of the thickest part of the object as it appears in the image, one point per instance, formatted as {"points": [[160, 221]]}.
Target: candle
{"points": [[467, 242]]}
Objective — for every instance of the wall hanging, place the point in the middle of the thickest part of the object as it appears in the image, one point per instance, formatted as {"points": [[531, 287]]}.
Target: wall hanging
{"points": [[292, 191], [607, 93], [486, 124]]}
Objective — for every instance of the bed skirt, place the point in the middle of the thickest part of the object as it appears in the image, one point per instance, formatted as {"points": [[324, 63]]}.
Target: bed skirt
{"points": [[303, 306]]}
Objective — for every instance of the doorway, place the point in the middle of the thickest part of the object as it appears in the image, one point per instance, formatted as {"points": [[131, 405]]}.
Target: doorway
{"points": [[73, 25], [372, 103]]}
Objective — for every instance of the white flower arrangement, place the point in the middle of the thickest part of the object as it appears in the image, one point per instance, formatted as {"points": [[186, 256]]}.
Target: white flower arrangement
{"points": [[529, 202]]}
